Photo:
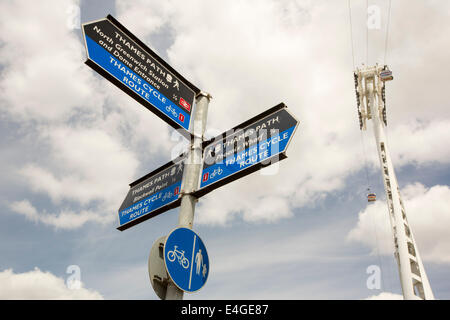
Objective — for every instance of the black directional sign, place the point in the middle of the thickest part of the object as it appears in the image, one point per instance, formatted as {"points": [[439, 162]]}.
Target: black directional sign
{"points": [[152, 194], [119, 56], [248, 147]]}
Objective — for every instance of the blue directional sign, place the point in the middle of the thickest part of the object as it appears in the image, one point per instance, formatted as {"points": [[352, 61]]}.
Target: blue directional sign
{"points": [[119, 56], [256, 143], [152, 194], [186, 259]]}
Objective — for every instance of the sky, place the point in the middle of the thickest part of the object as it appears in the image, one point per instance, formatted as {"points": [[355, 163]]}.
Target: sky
{"points": [[71, 142]]}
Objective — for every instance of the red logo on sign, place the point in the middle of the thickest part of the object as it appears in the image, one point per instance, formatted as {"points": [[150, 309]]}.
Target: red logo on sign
{"points": [[205, 176], [176, 191], [181, 117], [185, 105]]}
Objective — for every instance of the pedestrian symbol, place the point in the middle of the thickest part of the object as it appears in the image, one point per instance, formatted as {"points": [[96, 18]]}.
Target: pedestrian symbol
{"points": [[198, 260], [186, 259]]}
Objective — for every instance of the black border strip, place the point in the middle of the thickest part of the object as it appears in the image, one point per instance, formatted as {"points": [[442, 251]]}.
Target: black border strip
{"points": [[158, 58], [237, 309]]}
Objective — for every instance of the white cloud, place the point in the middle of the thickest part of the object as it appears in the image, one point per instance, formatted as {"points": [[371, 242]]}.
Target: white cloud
{"points": [[87, 153], [79, 171], [64, 219], [82, 162], [26, 208], [93, 139], [90, 134], [249, 56], [428, 212], [386, 296], [146, 21], [43, 76], [420, 142], [39, 285], [240, 84], [271, 52]]}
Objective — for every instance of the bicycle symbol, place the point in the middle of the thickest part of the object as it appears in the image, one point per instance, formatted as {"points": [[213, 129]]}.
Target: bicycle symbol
{"points": [[172, 110], [217, 172], [166, 196], [171, 255]]}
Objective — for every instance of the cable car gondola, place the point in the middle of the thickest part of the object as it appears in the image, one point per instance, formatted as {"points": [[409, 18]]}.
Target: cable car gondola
{"points": [[371, 197], [386, 75]]}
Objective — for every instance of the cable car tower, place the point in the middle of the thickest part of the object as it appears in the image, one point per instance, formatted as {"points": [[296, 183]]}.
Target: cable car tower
{"points": [[370, 97]]}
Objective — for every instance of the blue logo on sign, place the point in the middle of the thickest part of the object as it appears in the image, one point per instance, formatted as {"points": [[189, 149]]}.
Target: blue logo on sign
{"points": [[186, 259]]}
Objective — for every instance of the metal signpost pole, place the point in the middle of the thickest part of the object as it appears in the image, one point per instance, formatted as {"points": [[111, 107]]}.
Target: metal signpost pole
{"points": [[191, 178]]}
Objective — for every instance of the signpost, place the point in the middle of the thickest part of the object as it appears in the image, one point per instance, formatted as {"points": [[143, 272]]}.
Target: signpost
{"points": [[152, 194], [186, 259], [248, 147], [115, 53], [119, 56]]}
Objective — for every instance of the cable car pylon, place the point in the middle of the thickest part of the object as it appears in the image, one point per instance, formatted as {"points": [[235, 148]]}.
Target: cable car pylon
{"points": [[370, 97]]}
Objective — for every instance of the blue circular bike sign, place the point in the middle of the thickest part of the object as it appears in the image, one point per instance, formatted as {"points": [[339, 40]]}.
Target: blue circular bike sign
{"points": [[186, 259]]}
